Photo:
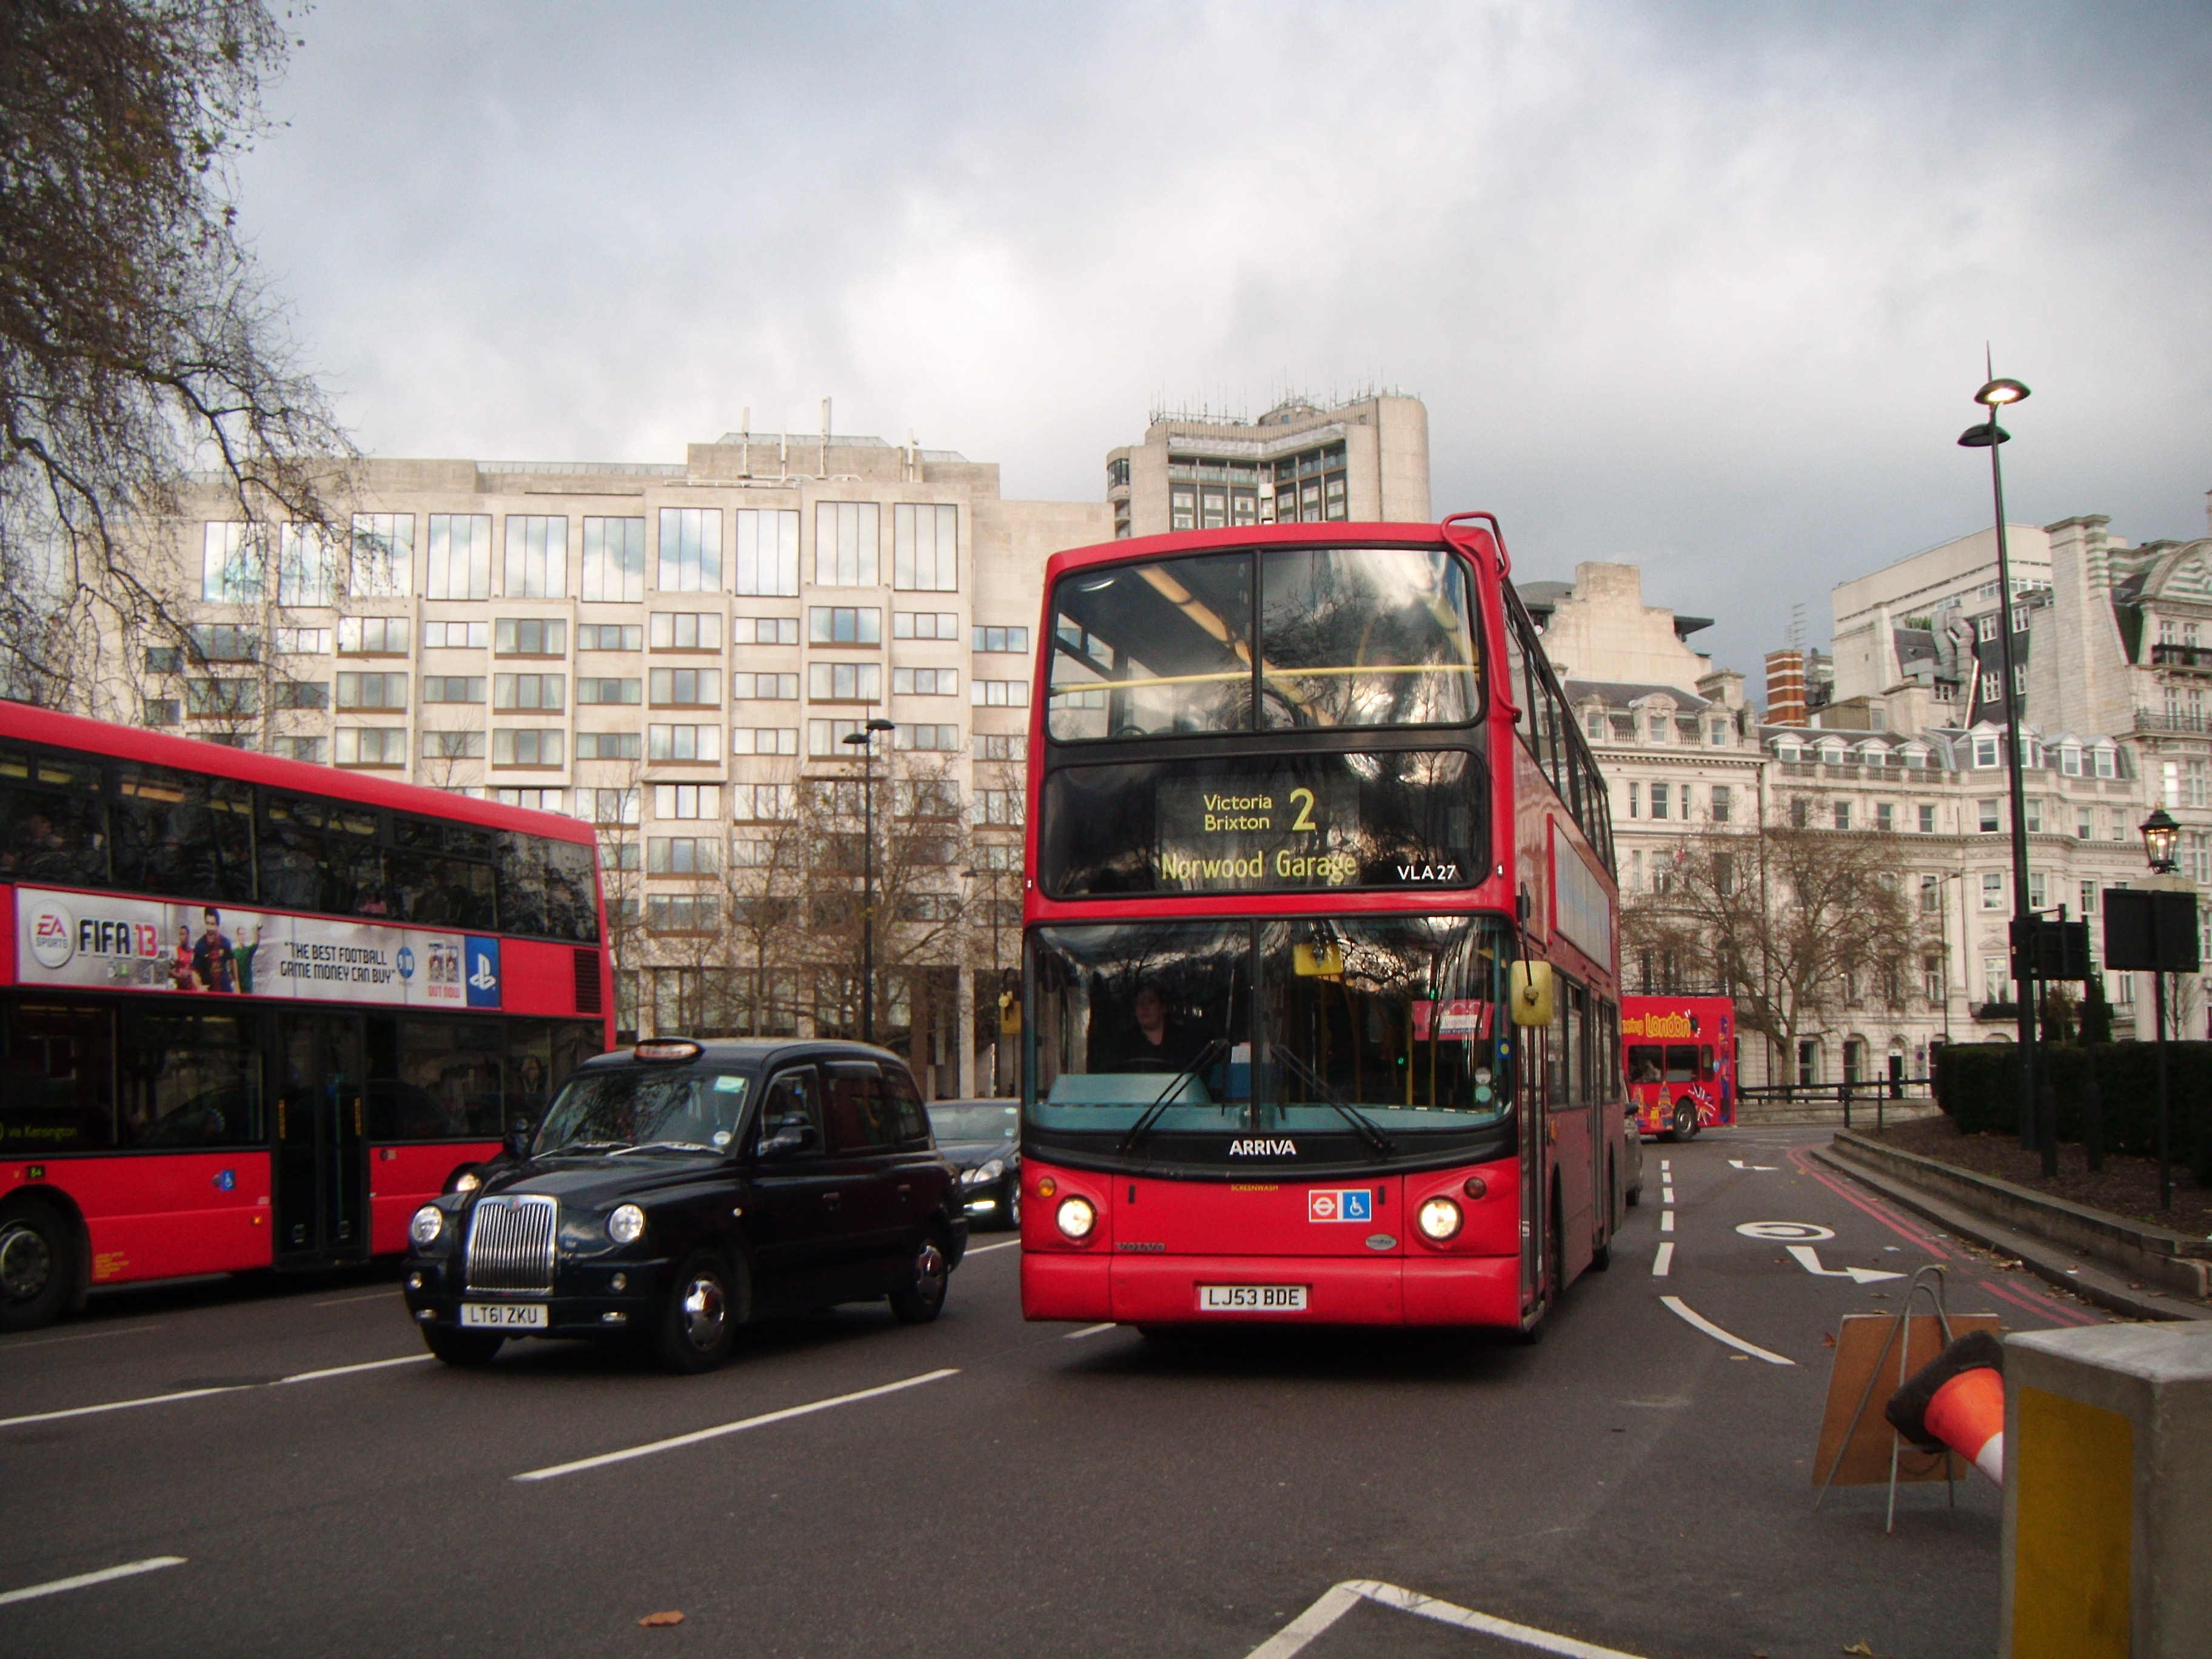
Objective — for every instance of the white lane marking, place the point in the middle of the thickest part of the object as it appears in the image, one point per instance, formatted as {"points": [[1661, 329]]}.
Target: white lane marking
{"points": [[1088, 1330], [88, 1336], [986, 1250], [1666, 1221], [1809, 1259], [123, 1404], [1666, 1163], [1667, 1194], [720, 1429], [1738, 1163], [366, 1296], [127, 1569], [348, 1370], [1664, 1262], [1340, 1599], [1719, 1335]]}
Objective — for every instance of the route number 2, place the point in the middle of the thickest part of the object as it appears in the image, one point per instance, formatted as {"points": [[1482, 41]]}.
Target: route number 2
{"points": [[1304, 824]]}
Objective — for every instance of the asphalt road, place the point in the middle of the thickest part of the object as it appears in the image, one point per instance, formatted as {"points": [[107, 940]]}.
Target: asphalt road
{"points": [[1632, 1481]]}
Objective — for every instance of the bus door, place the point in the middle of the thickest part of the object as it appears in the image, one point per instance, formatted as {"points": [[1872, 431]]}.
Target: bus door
{"points": [[320, 1167]]}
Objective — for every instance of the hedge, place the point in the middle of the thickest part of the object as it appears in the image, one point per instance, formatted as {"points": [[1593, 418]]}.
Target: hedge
{"points": [[1978, 1084]]}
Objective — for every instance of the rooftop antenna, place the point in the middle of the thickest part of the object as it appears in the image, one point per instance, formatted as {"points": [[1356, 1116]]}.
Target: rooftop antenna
{"points": [[1795, 638], [746, 443], [823, 471]]}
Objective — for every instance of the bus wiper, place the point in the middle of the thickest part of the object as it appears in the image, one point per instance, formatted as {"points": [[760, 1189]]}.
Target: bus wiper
{"points": [[1367, 1129], [1150, 1115]]}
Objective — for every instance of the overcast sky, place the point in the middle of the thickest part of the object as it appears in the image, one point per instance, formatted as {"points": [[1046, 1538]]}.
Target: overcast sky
{"points": [[1701, 286]]}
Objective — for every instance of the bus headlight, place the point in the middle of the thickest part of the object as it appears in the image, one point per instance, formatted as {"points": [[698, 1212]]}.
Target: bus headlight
{"points": [[1077, 1218], [1439, 1219], [429, 1221], [626, 1223]]}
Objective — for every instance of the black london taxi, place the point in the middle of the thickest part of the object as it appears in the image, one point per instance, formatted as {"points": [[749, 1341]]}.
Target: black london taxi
{"points": [[677, 1189]]}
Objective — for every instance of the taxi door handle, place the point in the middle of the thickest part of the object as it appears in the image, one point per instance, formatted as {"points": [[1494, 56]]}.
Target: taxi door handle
{"points": [[906, 1186], [829, 1198]]}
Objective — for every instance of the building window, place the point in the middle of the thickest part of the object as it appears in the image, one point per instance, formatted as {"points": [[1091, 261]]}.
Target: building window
{"points": [[925, 548], [1986, 629], [377, 691], [1988, 818], [1635, 799], [303, 641], [536, 557], [1723, 802], [764, 802], [538, 800], [456, 688], [764, 630], [844, 624], [1659, 799], [999, 694], [2088, 899], [230, 565], [538, 693], [944, 739], [307, 565], [453, 745], [1927, 819], [1801, 813], [680, 912], [1719, 734], [2031, 809], [845, 681], [687, 800], [764, 687], [682, 743], [2084, 824], [925, 798], [614, 560], [1931, 979], [848, 541], [225, 643], [1996, 980], [1593, 725], [2037, 898], [1993, 893], [383, 556], [459, 564], [763, 740], [1183, 508], [610, 806], [680, 856], [1636, 877], [371, 636], [1808, 1063], [767, 552], [929, 625], [454, 635], [610, 746], [1931, 895], [999, 808], [2070, 759], [604, 691], [1002, 639], [685, 630], [163, 711], [690, 549], [996, 746], [2196, 856], [525, 746], [684, 688], [1885, 816], [925, 681], [2102, 758], [827, 738], [372, 745], [313, 751], [1842, 811], [529, 636]]}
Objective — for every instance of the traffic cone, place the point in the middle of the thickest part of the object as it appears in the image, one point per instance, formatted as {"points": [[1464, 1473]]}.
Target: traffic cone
{"points": [[1956, 1401]]}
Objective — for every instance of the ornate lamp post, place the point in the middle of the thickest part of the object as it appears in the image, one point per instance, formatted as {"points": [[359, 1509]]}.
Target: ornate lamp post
{"points": [[2161, 833], [1995, 394], [864, 740]]}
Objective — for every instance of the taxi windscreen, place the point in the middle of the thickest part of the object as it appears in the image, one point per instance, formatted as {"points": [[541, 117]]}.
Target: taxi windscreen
{"points": [[616, 1110]]}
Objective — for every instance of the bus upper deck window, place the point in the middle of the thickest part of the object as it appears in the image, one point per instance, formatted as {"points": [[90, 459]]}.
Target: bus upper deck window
{"points": [[1365, 636], [1150, 649]]}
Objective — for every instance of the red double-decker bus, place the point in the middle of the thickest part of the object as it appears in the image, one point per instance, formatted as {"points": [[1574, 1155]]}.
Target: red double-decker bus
{"points": [[1681, 1052], [1320, 974], [253, 1011]]}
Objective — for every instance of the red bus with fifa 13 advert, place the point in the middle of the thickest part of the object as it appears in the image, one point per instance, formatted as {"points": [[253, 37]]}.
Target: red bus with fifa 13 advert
{"points": [[253, 1011], [1320, 966], [1681, 1052]]}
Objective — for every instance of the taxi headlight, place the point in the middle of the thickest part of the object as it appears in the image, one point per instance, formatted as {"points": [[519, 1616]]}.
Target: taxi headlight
{"points": [[429, 1221], [1440, 1218], [626, 1223], [1076, 1217], [467, 1181]]}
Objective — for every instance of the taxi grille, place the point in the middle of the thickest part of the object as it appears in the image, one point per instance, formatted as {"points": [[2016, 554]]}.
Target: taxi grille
{"points": [[511, 1244]]}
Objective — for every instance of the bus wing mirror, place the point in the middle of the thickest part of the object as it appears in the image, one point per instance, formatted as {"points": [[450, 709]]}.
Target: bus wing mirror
{"points": [[1531, 993]]}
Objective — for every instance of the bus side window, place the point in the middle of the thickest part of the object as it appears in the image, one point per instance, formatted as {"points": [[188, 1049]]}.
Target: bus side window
{"points": [[53, 823], [521, 884], [1644, 1062]]}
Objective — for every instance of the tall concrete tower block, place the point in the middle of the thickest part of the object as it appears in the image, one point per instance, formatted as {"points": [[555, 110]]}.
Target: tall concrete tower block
{"points": [[2078, 667]]}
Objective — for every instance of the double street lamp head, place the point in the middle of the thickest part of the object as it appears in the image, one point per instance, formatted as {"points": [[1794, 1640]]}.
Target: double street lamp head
{"points": [[2159, 833], [2001, 390], [1993, 396]]}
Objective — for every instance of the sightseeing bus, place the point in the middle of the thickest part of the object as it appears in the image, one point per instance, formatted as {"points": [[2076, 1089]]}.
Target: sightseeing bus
{"points": [[1681, 1052], [255, 1011], [1320, 975]]}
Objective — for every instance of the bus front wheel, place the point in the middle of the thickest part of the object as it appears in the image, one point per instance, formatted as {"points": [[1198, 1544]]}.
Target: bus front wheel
{"points": [[36, 1264]]}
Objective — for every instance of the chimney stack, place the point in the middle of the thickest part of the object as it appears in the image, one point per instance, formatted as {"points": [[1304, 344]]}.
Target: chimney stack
{"points": [[1786, 688]]}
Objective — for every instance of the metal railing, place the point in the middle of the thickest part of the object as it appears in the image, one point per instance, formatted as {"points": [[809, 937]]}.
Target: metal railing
{"points": [[1876, 1092]]}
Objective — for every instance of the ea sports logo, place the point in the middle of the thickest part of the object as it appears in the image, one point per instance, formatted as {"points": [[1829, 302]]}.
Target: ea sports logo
{"points": [[53, 935]]}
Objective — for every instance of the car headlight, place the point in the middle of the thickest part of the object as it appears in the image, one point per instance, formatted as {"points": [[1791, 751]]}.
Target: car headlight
{"points": [[429, 1221], [990, 1171], [1440, 1218], [626, 1223], [1077, 1218]]}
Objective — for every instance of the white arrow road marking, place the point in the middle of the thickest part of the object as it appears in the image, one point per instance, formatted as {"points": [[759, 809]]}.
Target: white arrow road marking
{"points": [[1702, 1323], [1738, 1163], [127, 1569], [1809, 1259], [1294, 1637]]}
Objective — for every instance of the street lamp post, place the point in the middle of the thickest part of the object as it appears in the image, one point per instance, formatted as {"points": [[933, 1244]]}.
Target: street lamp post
{"points": [[1995, 394], [864, 740], [997, 973], [2159, 833]]}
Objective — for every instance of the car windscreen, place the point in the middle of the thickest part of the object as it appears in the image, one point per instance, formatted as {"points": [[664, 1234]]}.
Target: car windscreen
{"points": [[614, 1110], [992, 1123]]}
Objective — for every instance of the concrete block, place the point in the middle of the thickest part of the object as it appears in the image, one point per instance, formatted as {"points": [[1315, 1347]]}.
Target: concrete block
{"points": [[2107, 1542]]}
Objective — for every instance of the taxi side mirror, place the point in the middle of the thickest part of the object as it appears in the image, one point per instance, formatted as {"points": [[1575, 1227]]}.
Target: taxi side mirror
{"points": [[790, 1135], [518, 1139], [1530, 992]]}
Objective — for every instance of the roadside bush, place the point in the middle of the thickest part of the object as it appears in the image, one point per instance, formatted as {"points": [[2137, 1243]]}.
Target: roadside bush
{"points": [[1978, 1086]]}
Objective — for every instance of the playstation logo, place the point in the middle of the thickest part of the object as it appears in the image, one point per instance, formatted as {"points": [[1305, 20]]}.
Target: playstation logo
{"points": [[481, 958]]}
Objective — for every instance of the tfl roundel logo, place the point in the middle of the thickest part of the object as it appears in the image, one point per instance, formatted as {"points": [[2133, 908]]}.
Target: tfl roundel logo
{"points": [[53, 935]]}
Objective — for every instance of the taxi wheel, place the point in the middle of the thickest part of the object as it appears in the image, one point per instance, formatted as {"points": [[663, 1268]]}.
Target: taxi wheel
{"points": [[699, 1323], [922, 1296], [37, 1266], [463, 1348]]}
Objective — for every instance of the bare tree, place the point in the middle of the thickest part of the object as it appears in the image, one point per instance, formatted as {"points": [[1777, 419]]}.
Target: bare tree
{"points": [[1804, 927], [137, 349], [764, 890]]}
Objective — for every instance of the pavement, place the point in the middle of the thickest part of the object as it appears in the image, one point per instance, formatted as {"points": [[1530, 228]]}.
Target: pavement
{"points": [[287, 1473]]}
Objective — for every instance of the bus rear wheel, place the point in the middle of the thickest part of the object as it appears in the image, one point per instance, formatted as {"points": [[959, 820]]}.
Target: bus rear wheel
{"points": [[36, 1264], [1686, 1120]]}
